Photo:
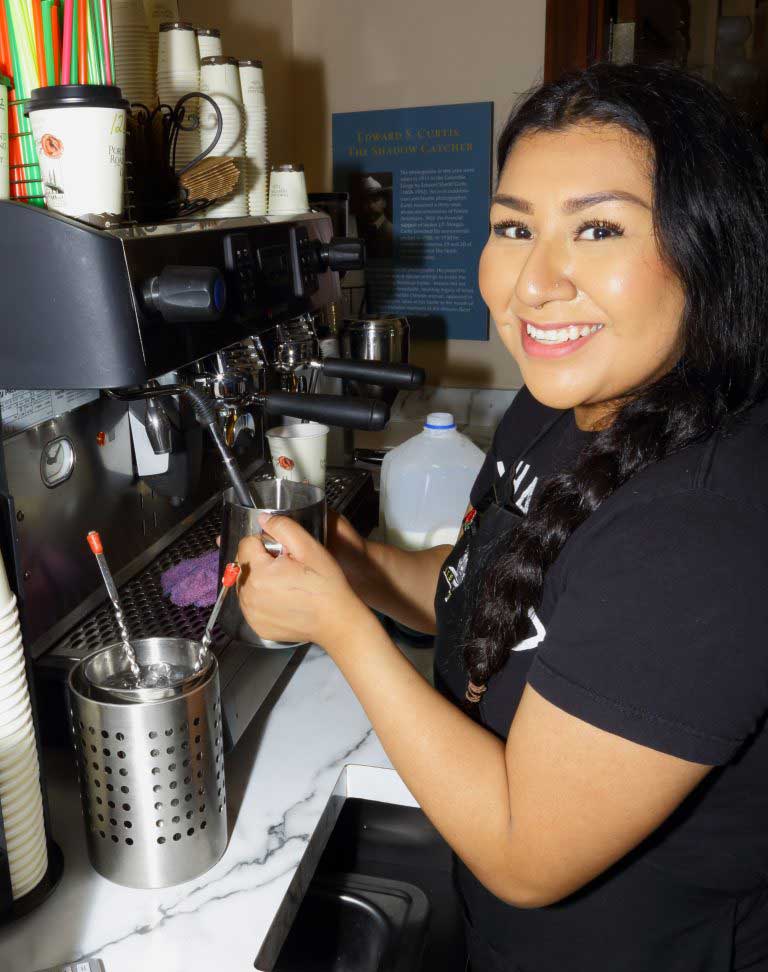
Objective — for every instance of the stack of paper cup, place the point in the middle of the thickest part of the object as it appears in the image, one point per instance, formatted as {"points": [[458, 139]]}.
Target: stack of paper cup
{"points": [[256, 156], [178, 73], [21, 800], [208, 42], [287, 190], [220, 79], [134, 72], [5, 184], [158, 12]]}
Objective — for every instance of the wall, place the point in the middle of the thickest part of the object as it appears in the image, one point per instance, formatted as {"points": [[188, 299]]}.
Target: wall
{"points": [[322, 56], [352, 55]]}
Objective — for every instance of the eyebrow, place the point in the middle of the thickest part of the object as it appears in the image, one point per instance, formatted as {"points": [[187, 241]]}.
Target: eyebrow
{"points": [[573, 205]]}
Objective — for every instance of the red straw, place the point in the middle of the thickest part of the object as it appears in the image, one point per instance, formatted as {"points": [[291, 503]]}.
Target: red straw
{"points": [[37, 18], [82, 41], [56, 41], [105, 38], [5, 47], [66, 43]]}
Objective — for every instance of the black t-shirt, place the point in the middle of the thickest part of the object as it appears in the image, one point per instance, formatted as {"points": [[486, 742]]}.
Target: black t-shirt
{"points": [[653, 625]]}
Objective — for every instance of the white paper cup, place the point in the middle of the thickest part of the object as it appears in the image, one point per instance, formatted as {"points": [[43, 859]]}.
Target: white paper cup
{"points": [[10, 630], [21, 799], [25, 861], [15, 715], [23, 881], [7, 597], [11, 646], [252, 83], [220, 80], [11, 672], [299, 451], [177, 53], [287, 190], [30, 826], [28, 869], [11, 736], [12, 687], [5, 183], [79, 132], [208, 42], [27, 769], [15, 761], [14, 735], [25, 846], [28, 860]]}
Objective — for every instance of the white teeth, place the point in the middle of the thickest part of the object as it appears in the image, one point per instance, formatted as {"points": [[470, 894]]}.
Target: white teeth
{"points": [[562, 334]]}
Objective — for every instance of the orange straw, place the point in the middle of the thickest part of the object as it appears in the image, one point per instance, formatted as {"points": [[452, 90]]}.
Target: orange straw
{"points": [[82, 41], [56, 41], [37, 19]]}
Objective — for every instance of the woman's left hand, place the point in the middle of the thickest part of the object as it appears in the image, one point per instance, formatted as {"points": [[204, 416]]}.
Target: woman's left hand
{"points": [[302, 595]]}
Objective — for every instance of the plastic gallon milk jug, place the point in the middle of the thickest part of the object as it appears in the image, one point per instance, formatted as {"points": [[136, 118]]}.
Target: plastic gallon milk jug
{"points": [[425, 484]]}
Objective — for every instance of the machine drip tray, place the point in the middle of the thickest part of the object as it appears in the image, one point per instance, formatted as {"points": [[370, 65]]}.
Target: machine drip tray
{"points": [[247, 674]]}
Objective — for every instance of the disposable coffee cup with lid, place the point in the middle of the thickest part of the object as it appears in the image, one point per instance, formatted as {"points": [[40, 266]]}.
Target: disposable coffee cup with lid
{"points": [[79, 131]]}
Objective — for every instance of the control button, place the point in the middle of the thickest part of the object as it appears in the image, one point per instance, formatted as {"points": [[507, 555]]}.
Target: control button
{"points": [[186, 295]]}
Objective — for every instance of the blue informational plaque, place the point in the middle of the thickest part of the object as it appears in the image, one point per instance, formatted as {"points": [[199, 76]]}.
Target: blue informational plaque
{"points": [[419, 181]]}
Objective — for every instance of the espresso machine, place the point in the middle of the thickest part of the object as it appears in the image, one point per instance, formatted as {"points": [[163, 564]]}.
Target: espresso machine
{"points": [[135, 359]]}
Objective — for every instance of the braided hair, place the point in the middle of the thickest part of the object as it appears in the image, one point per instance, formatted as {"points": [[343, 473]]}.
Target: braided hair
{"points": [[710, 193]]}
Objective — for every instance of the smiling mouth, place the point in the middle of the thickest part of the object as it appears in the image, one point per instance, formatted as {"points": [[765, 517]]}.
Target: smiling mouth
{"points": [[560, 335]]}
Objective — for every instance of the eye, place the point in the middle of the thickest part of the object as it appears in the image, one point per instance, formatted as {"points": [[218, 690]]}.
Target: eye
{"points": [[599, 229], [512, 229]]}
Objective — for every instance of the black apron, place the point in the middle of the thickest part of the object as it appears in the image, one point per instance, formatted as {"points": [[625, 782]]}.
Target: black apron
{"points": [[484, 524], [597, 929]]}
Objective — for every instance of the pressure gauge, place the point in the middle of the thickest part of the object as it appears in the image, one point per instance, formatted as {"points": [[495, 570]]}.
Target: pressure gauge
{"points": [[57, 461]]}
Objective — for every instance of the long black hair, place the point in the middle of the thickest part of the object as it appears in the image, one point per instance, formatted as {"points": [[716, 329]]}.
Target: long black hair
{"points": [[710, 200]]}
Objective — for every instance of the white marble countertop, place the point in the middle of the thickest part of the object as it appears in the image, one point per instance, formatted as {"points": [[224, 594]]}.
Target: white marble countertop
{"points": [[286, 781]]}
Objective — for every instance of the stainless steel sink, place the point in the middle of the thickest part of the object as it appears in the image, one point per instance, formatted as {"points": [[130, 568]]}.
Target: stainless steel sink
{"points": [[381, 900]]}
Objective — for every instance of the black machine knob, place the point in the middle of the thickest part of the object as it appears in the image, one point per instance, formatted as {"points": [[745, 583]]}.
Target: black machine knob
{"points": [[342, 253], [186, 295]]}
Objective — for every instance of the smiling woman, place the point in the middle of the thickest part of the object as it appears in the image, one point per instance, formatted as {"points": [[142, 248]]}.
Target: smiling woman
{"points": [[595, 749]]}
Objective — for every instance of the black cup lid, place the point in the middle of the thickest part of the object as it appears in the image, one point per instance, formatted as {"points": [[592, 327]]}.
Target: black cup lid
{"points": [[207, 31], [250, 62], [76, 96], [176, 25]]}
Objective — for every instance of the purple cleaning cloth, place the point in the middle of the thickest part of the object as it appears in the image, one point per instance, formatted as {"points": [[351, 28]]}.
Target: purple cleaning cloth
{"points": [[194, 581]]}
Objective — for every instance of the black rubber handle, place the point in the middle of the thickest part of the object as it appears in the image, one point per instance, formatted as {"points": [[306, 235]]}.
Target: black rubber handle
{"points": [[375, 372], [348, 413]]}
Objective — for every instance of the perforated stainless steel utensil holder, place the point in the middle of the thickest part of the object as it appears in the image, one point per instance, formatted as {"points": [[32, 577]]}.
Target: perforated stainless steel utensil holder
{"points": [[151, 781]]}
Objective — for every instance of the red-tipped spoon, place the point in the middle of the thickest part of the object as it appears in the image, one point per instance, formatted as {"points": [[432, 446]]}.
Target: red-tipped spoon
{"points": [[94, 542], [228, 580]]}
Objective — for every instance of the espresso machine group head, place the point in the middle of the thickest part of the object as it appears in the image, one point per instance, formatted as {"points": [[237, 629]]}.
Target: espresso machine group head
{"points": [[166, 327]]}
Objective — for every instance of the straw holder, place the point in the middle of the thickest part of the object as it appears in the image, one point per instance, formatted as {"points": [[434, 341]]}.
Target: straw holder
{"points": [[151, 773]]}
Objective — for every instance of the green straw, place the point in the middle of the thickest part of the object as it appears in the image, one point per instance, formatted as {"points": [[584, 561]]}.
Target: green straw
{"points": [[75, 34], [48, 41], [28, 150], [93, 67], [97, 42], [111, 42]]}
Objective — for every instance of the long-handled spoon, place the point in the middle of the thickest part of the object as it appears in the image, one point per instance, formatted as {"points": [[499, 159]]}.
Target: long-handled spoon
{"points": [[94, 542], [228, 580]]}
